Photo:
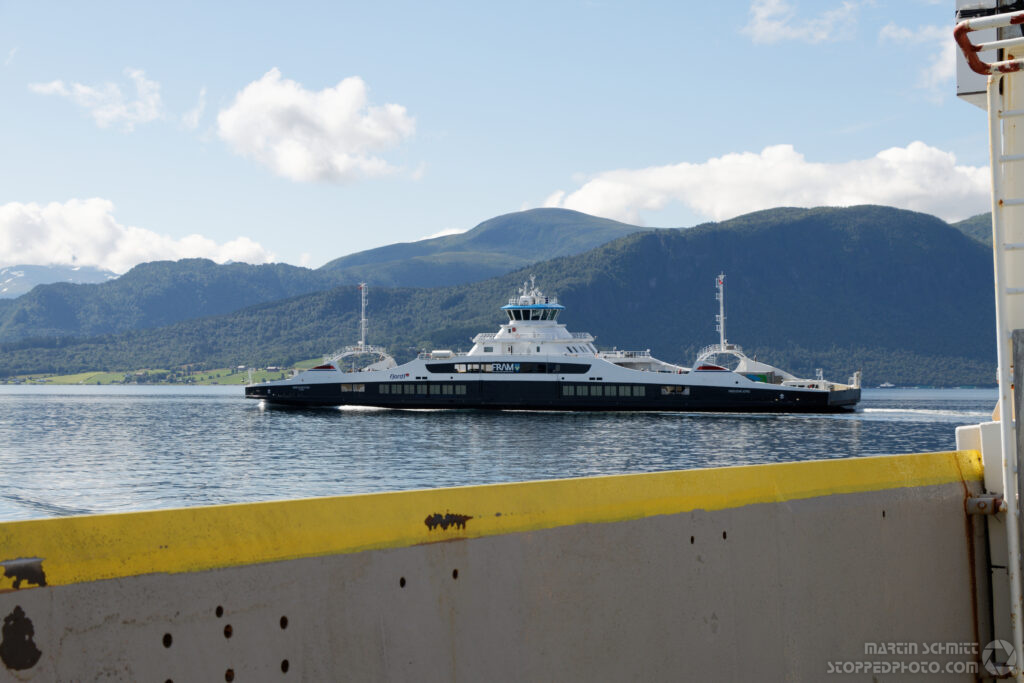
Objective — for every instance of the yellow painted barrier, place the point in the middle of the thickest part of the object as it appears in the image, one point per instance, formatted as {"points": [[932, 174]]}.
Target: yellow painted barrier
{"points": [[71, 550]]}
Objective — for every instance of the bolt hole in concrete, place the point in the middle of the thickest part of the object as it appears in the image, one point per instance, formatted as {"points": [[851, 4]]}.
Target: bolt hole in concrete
{"points": [[227, 631], [691, 540], [219, 611], [284, 666], [883, 514], [723, 535], [168, 640], [401, 582], [284, 623], [229, 675], [455, 573]]}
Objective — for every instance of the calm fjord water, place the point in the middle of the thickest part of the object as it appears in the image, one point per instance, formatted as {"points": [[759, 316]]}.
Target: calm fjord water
{"points": [[81, 450]]}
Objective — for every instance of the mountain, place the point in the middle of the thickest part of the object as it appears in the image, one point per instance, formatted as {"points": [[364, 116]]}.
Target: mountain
{"points": [[18, 280], [151, 295], [165, 292], [977, 227], [901, 295], [495, 247]]}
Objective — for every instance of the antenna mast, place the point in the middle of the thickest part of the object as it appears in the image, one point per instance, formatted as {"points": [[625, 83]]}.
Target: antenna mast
{"points": [[720, 318], [362, 319]]}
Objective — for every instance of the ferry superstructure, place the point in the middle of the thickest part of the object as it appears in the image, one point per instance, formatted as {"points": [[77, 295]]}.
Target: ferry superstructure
{"points": [[534, 363]]}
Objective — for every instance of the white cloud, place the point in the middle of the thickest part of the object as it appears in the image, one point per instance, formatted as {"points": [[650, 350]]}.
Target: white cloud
{"points": [[84, 232], [938, 73], [10, 56], [773, 21], [917, 177], [332, 134], [107, 104], [190, 119]]}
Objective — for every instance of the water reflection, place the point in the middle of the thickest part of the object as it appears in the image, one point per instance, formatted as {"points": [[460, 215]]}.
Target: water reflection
{"points": [[100, 449]]}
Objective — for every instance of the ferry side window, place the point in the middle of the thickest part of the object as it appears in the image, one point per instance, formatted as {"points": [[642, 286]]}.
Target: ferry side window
{"points": [[595, 390], [567, 390], [460, 389], [488, 349], [609, 390], [382, 389]]}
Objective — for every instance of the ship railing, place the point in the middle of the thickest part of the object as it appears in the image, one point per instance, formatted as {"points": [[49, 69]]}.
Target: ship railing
{"points": [[356, 349], [582, 335], [627, 354], [484, 336], [718, 348], [516, 300]]}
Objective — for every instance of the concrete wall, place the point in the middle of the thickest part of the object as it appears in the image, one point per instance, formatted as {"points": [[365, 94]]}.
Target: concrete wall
{"points": [[775, 572]]}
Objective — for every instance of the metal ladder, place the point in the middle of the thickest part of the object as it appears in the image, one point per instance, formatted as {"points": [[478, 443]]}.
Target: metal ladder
{"points": [[1006, 149]]}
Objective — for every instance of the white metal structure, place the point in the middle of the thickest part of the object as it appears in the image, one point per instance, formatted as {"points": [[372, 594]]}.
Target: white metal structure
{"points": [[383, 358], [723, 346], [1005, 97]]}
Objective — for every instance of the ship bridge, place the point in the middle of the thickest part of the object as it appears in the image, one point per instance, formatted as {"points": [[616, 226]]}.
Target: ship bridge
{"points": [[532, 328], [532, 305]]}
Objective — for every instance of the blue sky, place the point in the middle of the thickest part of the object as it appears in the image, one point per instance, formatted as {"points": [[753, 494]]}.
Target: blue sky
{"points": [[300, 133]]}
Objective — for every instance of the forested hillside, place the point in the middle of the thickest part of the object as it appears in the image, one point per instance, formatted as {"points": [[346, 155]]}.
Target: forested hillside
{"points": [[902, 295]]}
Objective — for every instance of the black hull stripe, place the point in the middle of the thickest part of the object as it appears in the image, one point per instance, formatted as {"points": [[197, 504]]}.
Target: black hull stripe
{"points": [[548, 396]]}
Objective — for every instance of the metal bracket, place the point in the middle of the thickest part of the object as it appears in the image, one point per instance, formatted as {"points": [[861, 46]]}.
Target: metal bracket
{"points": [[985, 505]]}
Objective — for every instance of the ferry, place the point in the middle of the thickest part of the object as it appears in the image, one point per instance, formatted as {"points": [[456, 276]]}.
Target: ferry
{"points": [[534, 363]]}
